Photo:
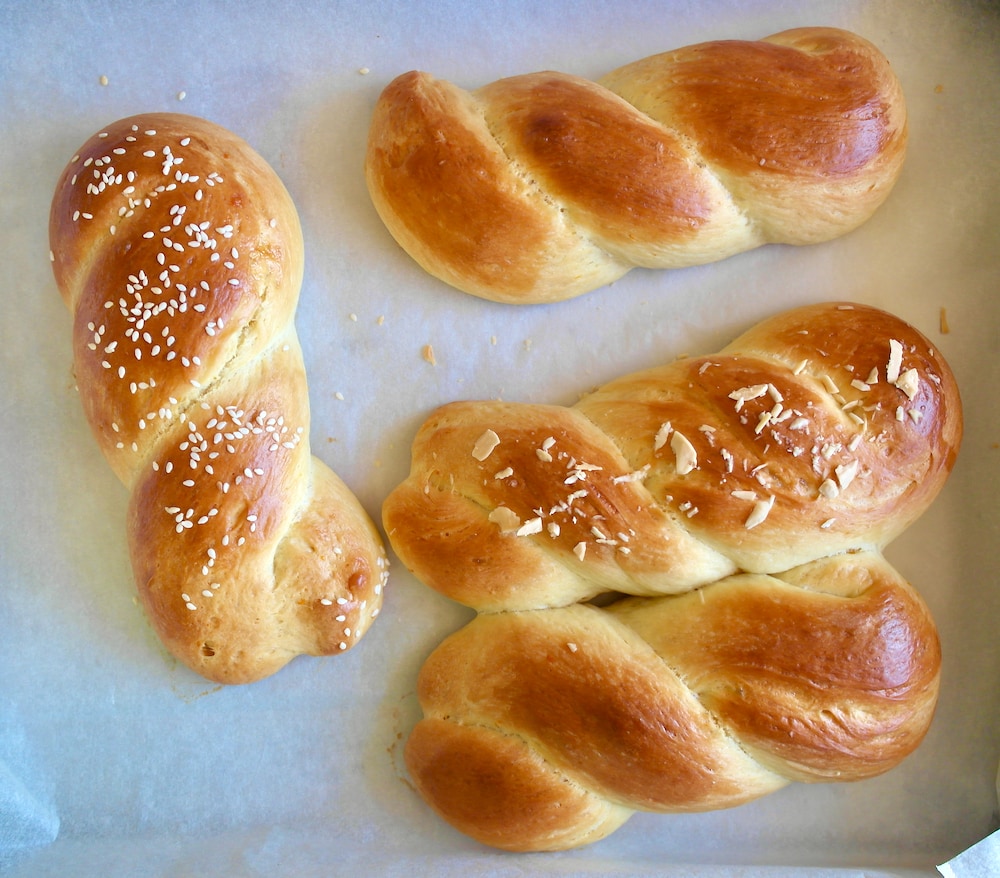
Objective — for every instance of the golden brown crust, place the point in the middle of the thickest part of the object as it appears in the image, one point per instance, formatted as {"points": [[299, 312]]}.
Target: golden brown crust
{"points": [[743, 500], [540, 187], [179, 253]]}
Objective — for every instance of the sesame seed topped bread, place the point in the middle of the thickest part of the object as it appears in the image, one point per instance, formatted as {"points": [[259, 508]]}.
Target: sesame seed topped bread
{"points": [[179, 252], [682, 601], [541, 187]]}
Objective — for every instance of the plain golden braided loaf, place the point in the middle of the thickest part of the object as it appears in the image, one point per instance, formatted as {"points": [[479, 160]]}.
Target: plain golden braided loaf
{"points": [[742, 500], [179, 252], [540, 187]]}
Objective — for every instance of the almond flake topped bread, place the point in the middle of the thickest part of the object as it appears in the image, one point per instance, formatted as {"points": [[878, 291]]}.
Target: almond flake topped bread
{"points": [[729, 513], [541, 187], [179, 252]]}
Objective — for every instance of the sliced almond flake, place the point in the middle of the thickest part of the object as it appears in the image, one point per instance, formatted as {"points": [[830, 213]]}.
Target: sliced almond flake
{"points": [[745, 394], [745, 495], [580, 550], [685, 457], [531, 526], [829, 449], [635, 476], [759, 513], [799, 423], [762, 422], [895, 361], [830, 384], [553, 529], [828, 523], [774, 393], [727, 456], [915, 415], [543, 455], [506, 519], [572, 647], [909, 383], [872, 376], [549, 442], [900, 413], [661, 435], [505, 473], [485, 444], [845, 474], [858, 384], [800, 367], [829, 489]]}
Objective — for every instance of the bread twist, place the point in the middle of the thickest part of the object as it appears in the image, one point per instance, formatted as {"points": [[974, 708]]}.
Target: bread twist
{"points": [[541, 187], [742, 500], [179, 252]]}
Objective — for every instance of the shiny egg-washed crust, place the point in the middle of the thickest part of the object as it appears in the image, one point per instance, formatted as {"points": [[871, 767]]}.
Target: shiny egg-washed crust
{"points": [[740, 502], [541, 187], [179, 252]]}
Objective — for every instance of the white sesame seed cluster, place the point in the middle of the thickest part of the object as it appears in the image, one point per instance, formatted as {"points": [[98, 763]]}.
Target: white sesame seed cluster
{"points": [[180, 253]]}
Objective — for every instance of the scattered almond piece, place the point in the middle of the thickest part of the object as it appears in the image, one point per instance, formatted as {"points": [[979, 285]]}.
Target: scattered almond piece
{"points": [[485, 444], [506, 519]]}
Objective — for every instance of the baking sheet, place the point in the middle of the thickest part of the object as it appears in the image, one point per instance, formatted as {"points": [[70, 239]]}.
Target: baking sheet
{"points": [[115, 760]]}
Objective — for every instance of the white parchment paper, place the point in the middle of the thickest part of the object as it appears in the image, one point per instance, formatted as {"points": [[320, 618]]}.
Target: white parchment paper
{"points": [[115, 761]]}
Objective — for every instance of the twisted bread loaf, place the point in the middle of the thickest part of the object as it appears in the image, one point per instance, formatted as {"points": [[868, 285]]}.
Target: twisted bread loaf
{"points": [[742, 499], [179, 252], [541, 187]]}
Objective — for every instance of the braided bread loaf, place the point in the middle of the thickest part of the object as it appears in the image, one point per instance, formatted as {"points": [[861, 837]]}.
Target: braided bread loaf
{"points": [[541, 187], [742, 500], [179, 252]]}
